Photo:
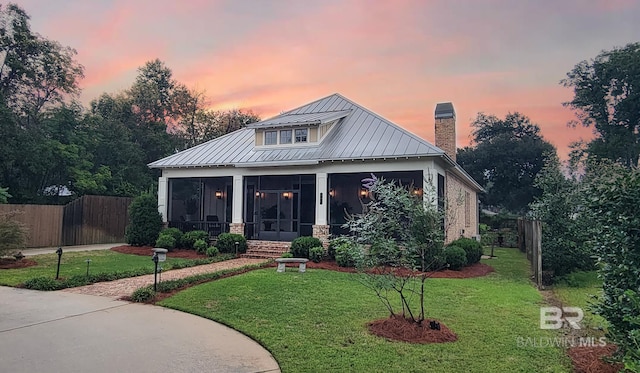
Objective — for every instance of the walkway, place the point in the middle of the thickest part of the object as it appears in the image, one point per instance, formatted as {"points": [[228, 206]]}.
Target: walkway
{"points": [[63, 332], [124, 287], [67, 249]]}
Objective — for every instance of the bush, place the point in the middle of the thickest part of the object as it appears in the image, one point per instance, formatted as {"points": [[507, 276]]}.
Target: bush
{"points": [[348, 253], [212, 251], [166, 241], [286, 255], [200, 246], [145, 222], [143, 295], [227, 243], [300, 246], [190, 238], [316, 254], [43, 283], [13, 234], [175, 233], [455, 257], [472, 249]]}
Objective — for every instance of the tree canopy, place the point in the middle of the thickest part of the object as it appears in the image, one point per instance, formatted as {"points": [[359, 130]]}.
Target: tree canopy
{"points": [[52, 145], [607, 98], [505, 157]]}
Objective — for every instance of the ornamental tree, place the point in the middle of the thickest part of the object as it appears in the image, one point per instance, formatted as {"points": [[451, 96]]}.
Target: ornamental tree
{"points": [[400, 237]]}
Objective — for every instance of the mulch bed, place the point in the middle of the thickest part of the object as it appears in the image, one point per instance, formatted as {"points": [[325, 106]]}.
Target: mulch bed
{"points": [[10, 263], [589, 359], [148, 251], [475, 270], [400, 329]]}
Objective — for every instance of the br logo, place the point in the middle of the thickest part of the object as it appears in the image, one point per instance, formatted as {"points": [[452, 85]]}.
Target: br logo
{"points": [[556, 317]]}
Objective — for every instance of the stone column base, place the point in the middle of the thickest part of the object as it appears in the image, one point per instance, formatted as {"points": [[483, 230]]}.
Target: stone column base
{"points": [[321, 232], [236, 228]]}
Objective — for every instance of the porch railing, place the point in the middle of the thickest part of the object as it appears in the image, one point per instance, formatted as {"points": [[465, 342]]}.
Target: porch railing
{"points": [[213, 228]]}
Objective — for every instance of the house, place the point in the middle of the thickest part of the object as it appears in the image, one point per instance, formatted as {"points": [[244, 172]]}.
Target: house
{"points": [[296, 174]]}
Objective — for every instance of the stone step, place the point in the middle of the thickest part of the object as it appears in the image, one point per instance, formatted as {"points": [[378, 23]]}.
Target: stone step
{"points": [[266, 249]]}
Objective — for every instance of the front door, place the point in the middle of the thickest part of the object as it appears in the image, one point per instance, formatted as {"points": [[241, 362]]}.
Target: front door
{"points": [[278, 217]]}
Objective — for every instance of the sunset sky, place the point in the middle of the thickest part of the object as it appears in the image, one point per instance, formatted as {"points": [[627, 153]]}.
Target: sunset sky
{"points": [[398, 58]]}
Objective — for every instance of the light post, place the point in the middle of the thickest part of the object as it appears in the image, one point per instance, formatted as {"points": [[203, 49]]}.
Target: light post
{"points": [[159, 255], [237, 244], [59, 252], [88, 262], [155, 271]]}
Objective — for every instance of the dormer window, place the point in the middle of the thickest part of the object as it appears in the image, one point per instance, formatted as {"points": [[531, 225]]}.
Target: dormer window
{"points": [[302, 134], [285, 137], [270, 137]]}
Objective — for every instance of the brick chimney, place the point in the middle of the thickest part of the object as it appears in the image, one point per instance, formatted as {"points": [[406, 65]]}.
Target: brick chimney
{"points": [[446, 128]]}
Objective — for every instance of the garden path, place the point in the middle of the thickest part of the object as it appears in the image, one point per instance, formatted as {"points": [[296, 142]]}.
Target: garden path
{"points": [[124, 287]]}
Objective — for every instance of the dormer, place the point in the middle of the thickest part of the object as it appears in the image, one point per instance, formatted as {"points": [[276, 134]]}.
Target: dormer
{"points": [[289, 130]]}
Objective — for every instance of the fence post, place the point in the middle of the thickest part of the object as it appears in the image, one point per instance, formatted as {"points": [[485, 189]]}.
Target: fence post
{"points": [[537, 225]]}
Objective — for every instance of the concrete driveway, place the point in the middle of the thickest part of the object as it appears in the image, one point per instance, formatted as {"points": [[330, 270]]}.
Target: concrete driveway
{"points": [[65, 332]]}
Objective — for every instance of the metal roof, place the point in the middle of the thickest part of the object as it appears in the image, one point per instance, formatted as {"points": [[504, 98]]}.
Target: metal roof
{"points": [[358, 134], [445, 110], [301, 119]]}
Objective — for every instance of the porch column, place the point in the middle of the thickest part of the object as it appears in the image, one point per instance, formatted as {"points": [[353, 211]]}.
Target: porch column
{"points": [[237, 223], [320, 228], [430, 186], [163, 193]]}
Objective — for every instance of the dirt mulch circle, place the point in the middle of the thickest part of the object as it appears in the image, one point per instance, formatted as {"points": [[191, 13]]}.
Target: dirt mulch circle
{"points": [[9, 263], [400, 329], [148, 251], [475, 270], [590, 359]]}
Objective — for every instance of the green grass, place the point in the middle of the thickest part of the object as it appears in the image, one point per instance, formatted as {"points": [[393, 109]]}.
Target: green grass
{"points": [[316, 322], [74, 263], [580, 289]]}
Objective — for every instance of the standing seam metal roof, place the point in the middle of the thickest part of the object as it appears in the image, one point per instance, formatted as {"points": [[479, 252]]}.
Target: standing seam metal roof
{"points": [[357, 134]]}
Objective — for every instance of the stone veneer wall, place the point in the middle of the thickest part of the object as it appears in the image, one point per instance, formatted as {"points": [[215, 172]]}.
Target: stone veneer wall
{"points": [[237, 228], [321, 232]]}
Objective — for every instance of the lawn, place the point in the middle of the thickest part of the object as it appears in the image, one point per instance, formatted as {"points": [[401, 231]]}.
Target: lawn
{"points": [[74, 263], [317, 321], [579, 290]]}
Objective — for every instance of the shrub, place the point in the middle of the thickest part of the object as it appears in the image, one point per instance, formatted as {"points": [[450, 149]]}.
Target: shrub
{"points": [[348, 254], [316, 254], [227, 243], [43, 283], [300, 246], [200, 246], [472, 249], [166, 241], [335, 242], [212, 251], [145, 222], [455, 257], [175, 233], [143, 295], [13, 234], [190, 238], [286, 255]]}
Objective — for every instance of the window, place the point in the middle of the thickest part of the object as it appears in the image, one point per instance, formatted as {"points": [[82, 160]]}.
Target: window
{"points": [[301, 135], [285, 137], [467, 209], [270, 137]]}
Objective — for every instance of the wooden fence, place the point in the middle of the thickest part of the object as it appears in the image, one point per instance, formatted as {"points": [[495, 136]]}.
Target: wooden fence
{"points": [[44, 223], [95, 219], [84, 221], [530, 242]]}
